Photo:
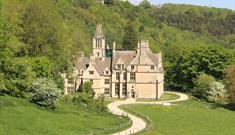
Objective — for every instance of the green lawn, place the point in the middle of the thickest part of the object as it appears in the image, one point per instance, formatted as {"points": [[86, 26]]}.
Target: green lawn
{"points": [[188, 118], [165, 96], [19, 117]]}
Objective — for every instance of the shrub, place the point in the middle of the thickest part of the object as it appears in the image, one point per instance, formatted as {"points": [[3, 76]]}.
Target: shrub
{"points": [[201, 85], [216, 92], [82, 98], [44, 93], [87, 88], [87, 100]]}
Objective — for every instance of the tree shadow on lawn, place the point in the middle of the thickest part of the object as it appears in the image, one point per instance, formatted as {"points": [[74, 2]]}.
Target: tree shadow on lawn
{"points": [[230, 107]]}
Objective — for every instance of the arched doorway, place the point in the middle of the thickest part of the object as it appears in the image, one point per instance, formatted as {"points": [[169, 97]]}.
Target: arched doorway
{"points": [[133, 94]]}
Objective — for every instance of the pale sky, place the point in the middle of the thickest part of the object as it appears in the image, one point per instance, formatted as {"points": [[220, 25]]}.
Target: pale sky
{"points": [[230, 4]]}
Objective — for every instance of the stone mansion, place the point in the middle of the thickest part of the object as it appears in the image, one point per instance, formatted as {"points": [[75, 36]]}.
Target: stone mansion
{"points": [[123, 74]]}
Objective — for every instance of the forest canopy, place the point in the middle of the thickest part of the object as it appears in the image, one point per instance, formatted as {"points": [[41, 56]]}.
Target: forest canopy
{"points": [[41, 38]]}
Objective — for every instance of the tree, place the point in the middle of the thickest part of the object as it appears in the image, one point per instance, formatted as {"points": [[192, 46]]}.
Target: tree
{"points": [[108, 2], [130, 39], [210, 60], [202, 85], [5, 31], [45, 93], [42, 67], [216, 92], [229, 79], [41, 28], [87, 88], [145, 4]]}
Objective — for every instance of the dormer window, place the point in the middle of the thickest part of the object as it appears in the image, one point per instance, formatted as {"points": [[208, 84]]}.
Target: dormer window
{"points": [[152, 67], [107, 72]]}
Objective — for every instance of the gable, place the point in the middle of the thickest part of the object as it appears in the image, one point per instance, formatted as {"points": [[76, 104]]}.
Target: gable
{"points": [[91, 68], [120, 61]]}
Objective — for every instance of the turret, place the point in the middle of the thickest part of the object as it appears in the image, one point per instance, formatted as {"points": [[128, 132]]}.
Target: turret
{"points": [[99, 42]]}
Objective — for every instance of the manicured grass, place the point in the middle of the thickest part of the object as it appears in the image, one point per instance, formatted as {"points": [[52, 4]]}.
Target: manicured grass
{"points": [[188, 118], [165, 96], [19, 117]]}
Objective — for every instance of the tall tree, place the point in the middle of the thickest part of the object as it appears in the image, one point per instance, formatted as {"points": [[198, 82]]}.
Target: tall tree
{"points": [[130, 39], [229, 79], [40, 27]]}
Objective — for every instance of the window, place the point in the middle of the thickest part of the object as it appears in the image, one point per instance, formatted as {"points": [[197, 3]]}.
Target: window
{"points": [[106, 91], [70, 89], [119, 66], [124, 89], [98, 54], [118, 76], [107, 72], [132, 67], [106, 81], [70, 80], [123, 66], [132, 76], [91, 81], [152, 67], [91, 72], [124, 76], [117, 87]]}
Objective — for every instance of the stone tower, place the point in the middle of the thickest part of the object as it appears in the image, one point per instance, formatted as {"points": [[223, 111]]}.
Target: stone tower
{"points": [[99, 43]]}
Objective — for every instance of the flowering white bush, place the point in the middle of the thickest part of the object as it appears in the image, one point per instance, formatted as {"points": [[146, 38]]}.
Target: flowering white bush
{"points": [[216, 92], [45, 93]]}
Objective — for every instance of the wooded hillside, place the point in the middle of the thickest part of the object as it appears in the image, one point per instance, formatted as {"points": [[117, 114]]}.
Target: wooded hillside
{"points": [[40, 38]]}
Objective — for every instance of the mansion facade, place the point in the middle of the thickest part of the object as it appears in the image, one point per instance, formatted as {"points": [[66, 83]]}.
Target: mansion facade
{"points": [[123, 74]]}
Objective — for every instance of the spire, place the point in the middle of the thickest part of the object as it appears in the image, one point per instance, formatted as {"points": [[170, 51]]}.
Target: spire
{"points": [[99, 31]]}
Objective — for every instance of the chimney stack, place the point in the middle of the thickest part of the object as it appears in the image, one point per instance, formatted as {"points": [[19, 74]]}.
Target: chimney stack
{"points": [[114, 46], [138, 47]]}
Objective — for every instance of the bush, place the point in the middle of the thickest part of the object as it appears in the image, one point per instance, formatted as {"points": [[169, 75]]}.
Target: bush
{"points": [[87, 88], [216, 92], [87, 100], [201, 85], [44, 93]]}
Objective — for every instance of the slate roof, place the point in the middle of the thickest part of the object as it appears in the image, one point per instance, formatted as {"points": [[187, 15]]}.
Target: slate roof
{"points": [[101, 65], [82, 64]]}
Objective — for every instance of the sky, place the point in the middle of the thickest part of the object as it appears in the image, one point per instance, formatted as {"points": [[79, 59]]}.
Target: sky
{"points": [[230, 4]]}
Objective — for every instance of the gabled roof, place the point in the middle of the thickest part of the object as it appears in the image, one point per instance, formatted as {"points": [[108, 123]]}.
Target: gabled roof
{"points": [[154, 57], [101, 65], [126, 56], [145, 59], [120, 61], [82, 64]]}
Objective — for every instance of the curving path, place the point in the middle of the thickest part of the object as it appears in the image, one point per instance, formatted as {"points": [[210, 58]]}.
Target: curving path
{"points": [[138, 124]]}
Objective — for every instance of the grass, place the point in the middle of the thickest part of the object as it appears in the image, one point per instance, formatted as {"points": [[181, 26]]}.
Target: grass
{"points": [[165, 96], [188, 118], [19, 117]]}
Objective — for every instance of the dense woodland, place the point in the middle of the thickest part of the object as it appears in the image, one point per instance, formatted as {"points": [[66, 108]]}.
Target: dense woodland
{"points": [[41, 39]]}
